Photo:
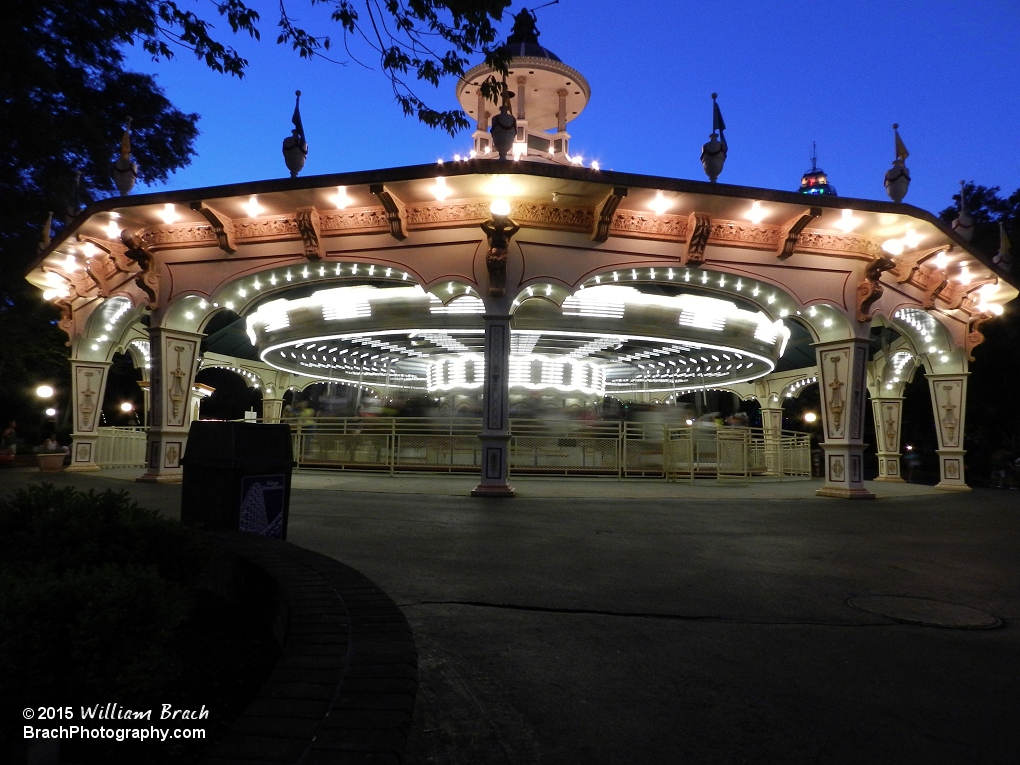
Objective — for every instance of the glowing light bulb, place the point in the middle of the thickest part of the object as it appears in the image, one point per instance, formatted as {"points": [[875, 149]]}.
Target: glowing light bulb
{"points": [[847, 221], [169, 214], [757, 213], [499, 207], [440, 190], [253, 208], [893, 246], [660, 204], [965, 276], [341, 200]]}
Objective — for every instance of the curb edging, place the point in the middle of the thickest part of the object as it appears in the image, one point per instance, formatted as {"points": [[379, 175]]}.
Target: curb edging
{"points": [[344, 687]]}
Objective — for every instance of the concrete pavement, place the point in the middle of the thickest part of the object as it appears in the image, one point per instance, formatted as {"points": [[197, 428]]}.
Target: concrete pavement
{"points": [[644, 622]]}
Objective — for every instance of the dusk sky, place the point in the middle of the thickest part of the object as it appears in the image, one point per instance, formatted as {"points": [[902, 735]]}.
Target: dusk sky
{"points": [[787, 74]]}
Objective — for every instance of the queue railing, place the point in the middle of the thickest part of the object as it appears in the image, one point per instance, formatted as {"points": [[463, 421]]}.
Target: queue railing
{"points": [[546, 446]]}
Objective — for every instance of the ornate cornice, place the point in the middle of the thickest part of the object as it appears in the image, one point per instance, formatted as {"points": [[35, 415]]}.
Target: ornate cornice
{"points": [[640, 225], [357, 220], [733, 234], [470, 212], [183, 234]]}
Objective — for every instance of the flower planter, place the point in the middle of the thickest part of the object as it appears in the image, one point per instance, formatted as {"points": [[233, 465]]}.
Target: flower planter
{"points": [[51, 463]]}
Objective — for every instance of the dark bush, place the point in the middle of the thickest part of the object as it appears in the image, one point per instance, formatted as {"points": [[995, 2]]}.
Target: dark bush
{"points": [[93, 590]]}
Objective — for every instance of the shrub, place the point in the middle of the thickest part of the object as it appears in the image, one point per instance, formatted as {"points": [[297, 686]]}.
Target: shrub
{"points": [[92, 592]]}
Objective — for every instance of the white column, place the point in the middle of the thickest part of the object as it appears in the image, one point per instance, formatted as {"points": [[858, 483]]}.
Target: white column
{"points": [[772, 430], [495, 435], [842, 376], [482, 139], [888, 412], [174, 365], [272, 409], [88, 384], [949, 402]]}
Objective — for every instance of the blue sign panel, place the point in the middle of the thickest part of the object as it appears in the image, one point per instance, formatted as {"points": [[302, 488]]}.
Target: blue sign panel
{"points": [[262, 500]]}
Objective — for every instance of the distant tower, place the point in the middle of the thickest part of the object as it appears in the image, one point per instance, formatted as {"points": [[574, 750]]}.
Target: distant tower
{"points": [[815, 181], [547, 95]]}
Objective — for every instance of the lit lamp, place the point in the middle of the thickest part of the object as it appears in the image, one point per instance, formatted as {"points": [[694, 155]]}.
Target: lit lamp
{"points": [[810, 417], [44, 391]]}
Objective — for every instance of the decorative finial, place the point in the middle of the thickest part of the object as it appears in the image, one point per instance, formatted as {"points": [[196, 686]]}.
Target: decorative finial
{"points": [[125, 172], [504, 126], [897, 177], [814, 156], [74, 202], [524, 30], [46, 232], [713, 153], [1003, 259], [963, 226], [295, 147]]}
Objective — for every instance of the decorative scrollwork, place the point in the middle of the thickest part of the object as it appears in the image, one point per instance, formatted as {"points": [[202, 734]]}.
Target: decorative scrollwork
{"points": [[974, 334], [700, 226], [870, 289], [148, 280]]}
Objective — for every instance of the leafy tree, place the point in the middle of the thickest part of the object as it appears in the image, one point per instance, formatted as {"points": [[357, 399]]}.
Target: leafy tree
{"points": [[413, 40], [67, 97], [988, 209]]}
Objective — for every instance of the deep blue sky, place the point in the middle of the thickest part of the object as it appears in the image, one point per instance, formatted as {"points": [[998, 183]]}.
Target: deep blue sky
{"points": [[787, 74]]}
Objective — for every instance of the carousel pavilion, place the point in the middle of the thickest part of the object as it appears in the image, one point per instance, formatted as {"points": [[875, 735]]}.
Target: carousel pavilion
{"points": [[517, 275]]}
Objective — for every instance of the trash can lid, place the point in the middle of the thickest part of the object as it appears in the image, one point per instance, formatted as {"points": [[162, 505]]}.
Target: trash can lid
{"points": [[217, 443]]}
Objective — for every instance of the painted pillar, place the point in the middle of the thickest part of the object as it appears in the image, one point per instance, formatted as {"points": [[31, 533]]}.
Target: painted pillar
{"points": [[772, 430], [495, 435], [272, 409], [842, 378], [949, 402], [888, 412], [174, 365], [88, 386]]}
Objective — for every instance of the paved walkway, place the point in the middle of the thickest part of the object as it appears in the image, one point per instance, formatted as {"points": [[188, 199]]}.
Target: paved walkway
{"points": [[642, 622], [538, 487]]}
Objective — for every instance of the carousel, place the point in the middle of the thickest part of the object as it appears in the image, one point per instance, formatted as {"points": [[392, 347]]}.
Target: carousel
{"points": [[516, 291]]}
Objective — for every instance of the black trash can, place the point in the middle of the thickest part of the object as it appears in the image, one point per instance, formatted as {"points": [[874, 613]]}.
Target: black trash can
{"points": [[237, 476]]}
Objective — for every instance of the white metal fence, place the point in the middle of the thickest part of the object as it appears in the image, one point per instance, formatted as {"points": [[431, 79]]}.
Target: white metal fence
{"points": [[553, 447], [563, 447], [121, 447]]}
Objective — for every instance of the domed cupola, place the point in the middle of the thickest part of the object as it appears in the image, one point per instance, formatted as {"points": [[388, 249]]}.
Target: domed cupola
{"points": [[815, 181], [546, 94]]}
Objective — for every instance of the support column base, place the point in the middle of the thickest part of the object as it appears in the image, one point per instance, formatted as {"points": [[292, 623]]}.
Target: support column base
{"points": [[840, 493], [890, 479], [943, 486], [160, 478], [82, 468], [493, 490]]}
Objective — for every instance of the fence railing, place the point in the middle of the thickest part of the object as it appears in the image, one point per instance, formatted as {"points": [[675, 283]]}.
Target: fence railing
{"points": [[563, 447], [120, 447]]}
